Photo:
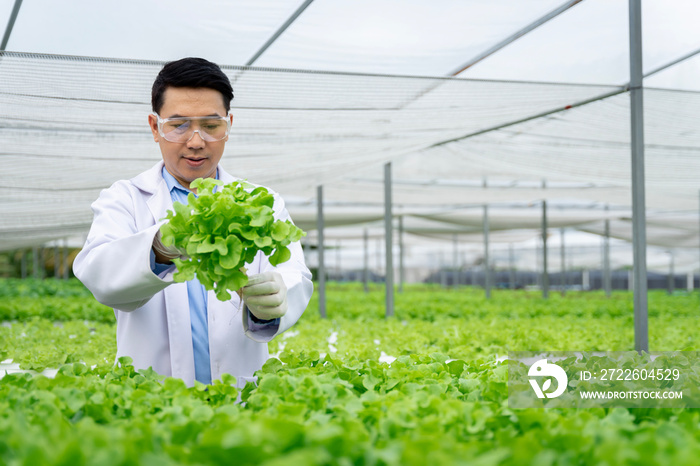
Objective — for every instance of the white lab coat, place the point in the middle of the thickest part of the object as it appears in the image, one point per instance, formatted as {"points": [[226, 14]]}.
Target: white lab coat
{"points": [[152, 312]]}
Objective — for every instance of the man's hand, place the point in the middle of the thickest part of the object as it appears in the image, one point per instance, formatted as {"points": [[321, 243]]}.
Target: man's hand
{"points": [[166, 254], [266, 295]]}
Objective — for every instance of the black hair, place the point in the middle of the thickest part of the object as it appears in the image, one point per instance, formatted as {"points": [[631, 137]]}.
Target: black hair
{"points": [[191, 72]]}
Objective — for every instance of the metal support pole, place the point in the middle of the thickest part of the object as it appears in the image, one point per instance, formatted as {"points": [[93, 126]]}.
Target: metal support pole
{"points": [[545, 272], [563, 264], [671, 273], [365, 274], [56, 262], [607, 273], [641, 323], [538, 269], [35, 262], [23, 264], [630, 280], [689, 281], [455, 260], [306, 248], [487, 271], [511, 266], [443, 275], [389, 240], [402, 271], [42, 262], [66, 266], [585, 279], [320, 251], [337, 260]]}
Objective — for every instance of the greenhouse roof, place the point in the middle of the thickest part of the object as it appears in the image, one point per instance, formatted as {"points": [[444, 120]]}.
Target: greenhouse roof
{"points": [[342, 91]]}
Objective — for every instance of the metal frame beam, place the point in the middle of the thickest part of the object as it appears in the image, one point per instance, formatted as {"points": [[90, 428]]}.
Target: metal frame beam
{"points": [[624, 88], [671, 63], [530, 118], [10, 25], [508, 40], [512, 38], [278, 33]]}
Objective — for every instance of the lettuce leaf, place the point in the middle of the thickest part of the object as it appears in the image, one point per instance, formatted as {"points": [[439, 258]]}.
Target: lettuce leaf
{"points": [[223, 231]]}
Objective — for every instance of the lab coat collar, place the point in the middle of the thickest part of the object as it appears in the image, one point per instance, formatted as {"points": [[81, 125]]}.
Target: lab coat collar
{"points": [[150, 180]]}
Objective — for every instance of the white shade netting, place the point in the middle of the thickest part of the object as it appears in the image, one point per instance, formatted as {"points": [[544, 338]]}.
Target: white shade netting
{"points": [[71, 126]]}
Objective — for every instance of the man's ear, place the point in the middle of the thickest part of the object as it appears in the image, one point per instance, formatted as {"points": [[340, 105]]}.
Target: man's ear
{"points": [[153, 123], [230, 116]]}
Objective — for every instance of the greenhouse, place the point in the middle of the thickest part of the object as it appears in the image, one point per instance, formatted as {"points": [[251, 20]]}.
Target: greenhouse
{"points": [[475, 180]]}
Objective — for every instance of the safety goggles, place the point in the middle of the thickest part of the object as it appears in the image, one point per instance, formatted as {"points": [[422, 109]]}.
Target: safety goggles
{"points": [[182, 129]]}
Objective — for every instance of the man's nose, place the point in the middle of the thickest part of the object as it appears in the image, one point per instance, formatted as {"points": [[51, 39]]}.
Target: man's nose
{"points": [[195, 140]]}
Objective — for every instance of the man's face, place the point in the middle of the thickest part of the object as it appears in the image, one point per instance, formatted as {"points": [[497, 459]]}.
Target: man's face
{"points": [[195, 158]]}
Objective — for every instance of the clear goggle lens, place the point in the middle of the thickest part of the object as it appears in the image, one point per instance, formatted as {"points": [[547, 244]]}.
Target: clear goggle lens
{"points": [[182, 129]]}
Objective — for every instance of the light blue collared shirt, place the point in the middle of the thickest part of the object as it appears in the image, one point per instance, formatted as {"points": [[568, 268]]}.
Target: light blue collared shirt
{"points": [[196, 296]]}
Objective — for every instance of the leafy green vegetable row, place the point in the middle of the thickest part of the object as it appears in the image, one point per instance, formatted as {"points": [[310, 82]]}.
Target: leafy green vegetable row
{"points": [[39, 343], [429, 302], [345, 407], [35, 288], [70, 300], [366, 336], [323, 411], [55, 308]]}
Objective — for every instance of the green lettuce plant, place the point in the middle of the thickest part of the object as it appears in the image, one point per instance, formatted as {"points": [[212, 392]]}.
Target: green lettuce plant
{"points": [[222, 231]]}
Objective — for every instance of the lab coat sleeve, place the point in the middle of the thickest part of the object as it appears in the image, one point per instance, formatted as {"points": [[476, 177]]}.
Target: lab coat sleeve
{"points": [[115, 263], [296, 276]]}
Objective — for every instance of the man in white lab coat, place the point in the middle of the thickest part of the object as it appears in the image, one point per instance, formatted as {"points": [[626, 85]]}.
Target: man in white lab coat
{"points": [[180, 329]]}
